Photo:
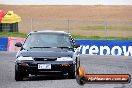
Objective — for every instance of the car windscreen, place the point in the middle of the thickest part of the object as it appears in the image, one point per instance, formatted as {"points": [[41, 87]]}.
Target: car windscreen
{"points": [[47, 40]]}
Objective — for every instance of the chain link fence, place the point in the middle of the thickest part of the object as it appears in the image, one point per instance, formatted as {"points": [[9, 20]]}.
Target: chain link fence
{"points": [[79, 27]]}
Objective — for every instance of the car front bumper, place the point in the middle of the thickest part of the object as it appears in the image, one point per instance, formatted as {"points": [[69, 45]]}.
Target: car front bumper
{"points": [[57, 67]]}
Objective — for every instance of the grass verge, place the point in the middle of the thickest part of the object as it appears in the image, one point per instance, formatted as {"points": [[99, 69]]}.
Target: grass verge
{"points": [[14, 34], [101, 37], [22, 35]]}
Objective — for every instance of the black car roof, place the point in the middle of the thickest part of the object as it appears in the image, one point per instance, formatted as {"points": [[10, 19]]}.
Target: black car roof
{"points": [[49, 31]]}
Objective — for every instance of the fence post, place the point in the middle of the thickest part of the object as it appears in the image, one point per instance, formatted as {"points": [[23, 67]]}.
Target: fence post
{"points": [[68, 23], [31, 24], [105, 28]]}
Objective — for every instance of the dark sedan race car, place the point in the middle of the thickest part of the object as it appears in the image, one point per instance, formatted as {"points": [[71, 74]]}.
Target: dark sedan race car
{"points": [[47, 53]]}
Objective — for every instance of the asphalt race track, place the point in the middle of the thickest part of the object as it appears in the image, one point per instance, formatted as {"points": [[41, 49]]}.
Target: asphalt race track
{"points": [[92, 65]]}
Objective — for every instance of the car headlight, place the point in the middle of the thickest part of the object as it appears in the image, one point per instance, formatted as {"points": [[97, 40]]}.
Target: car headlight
{"points": [[24, 58], [65, 59]]}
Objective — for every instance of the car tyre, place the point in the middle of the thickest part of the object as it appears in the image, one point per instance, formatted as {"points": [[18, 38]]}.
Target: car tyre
{"points": [[18, 76], [71, 75]]}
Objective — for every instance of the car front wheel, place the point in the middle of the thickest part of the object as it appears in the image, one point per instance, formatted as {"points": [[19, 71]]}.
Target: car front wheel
{"points": [[71, 75], [18, 76]]}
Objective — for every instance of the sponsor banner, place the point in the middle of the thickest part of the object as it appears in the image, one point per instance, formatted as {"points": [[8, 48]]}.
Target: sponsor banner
{"points": [[82, 78], [106, 47], [11, 43], [3, 44], [90, 47]]}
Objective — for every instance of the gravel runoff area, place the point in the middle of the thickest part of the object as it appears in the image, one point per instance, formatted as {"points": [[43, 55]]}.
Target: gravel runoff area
{"points": [[92, 64]]}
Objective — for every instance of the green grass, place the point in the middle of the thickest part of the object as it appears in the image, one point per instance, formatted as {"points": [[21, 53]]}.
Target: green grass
{"points": [[101, 37], [9, 34], [107, 27]]}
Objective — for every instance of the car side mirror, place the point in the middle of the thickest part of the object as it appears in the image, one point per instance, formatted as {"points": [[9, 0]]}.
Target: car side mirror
{"points": [[18, 44], [77, 45]]}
